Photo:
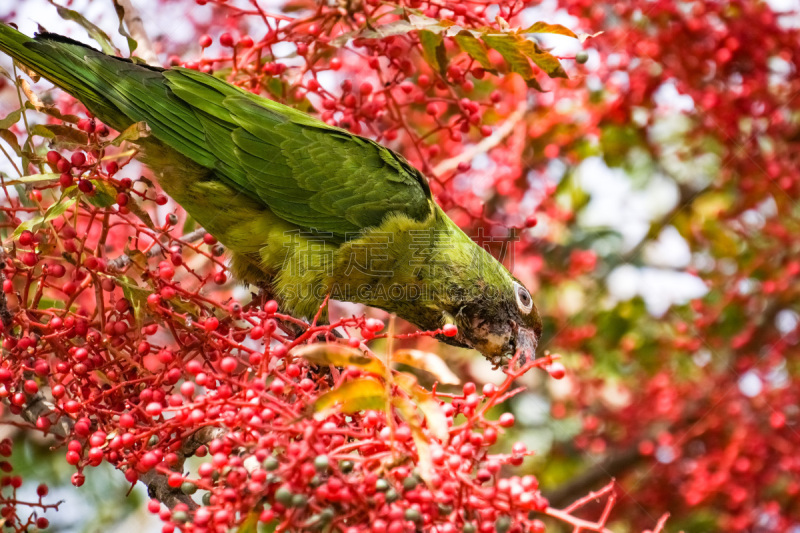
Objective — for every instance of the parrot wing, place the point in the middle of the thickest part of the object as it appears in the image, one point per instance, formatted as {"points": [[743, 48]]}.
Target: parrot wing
{"points": [[315, 176]]}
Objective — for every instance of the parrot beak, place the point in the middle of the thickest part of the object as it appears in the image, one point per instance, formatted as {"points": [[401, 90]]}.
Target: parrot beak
{"points": [[526, 343]]}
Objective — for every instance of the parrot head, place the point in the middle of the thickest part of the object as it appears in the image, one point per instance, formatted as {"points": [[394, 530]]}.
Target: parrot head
{"points": [[499, 320]]}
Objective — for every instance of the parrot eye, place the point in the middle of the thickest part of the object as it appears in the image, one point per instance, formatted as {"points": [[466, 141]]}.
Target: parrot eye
{"points": [[524, 301]]}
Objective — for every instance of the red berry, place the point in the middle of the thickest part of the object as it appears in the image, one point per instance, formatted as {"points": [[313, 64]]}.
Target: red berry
{"points": [[506, 420], [205, 41], [277, 386], [154, 409], [53, 158], [112, 167], [85, 186], [29, 258], [374, 325], [228, 364], [226, 40], [78, 159], [557, 370], [450, 330], [126, 421], [26, 238]]}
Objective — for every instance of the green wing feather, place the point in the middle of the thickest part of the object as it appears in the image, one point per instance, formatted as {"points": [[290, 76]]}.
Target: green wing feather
{"points": [[308, 173]]}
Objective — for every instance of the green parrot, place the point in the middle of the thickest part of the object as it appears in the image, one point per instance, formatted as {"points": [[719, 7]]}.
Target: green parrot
{"points": [[306, 209]]}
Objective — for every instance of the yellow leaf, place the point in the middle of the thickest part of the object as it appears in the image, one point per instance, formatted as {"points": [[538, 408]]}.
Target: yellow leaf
{"points": [[544, 60], [433, 49], [134, 132], [339, 355], [427, 403], [421, 443], [544, 27], [250, 524], [429, 362], [509, 47], [352, 396], [474, 48]]}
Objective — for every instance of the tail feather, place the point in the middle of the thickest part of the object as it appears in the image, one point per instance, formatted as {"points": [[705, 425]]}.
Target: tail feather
{"points": [[62, 61]]}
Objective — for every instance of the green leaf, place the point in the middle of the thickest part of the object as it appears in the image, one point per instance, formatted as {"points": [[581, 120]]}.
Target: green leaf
{"points": [[138, 130], [61, 133], [533, 83], [23, 196], [544, 27], [136, 208], [42, 130], [433, 49], [49, 303], [351, 397], [189, 225], [34, 178], [250, 524], [509, 47], [132, 44], [474, 49], [30, 225], [59, 208], [544, 60], [10, 119], [56, 210], [104, 194], [135, 294], [12, 141], [137, 257], [94, 32], [416, 21], [323, 353], [398, 27]]}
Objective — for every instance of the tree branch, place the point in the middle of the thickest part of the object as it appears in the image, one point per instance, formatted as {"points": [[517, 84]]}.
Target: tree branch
{"points": [[124, 261], [486, 144], [608, 468], [157, 487], [6, 317]]}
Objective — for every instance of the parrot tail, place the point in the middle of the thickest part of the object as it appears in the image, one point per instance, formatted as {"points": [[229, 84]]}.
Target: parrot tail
{"points": [[63, 61]]}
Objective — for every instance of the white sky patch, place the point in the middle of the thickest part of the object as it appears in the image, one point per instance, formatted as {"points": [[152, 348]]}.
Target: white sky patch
{"points": [[669, 99], [616, 203], [786, 321], [750, 384], [670, 250], [660, 288]]}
